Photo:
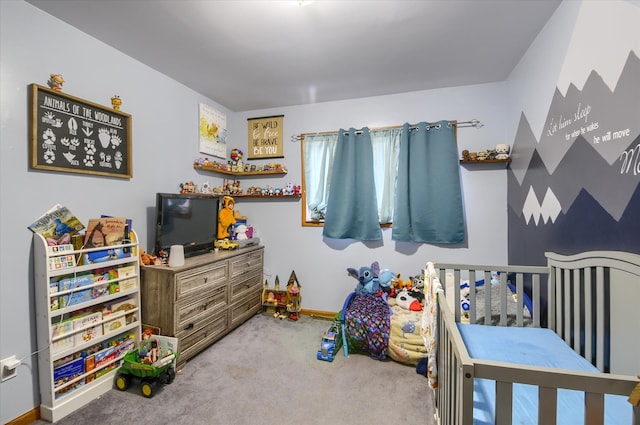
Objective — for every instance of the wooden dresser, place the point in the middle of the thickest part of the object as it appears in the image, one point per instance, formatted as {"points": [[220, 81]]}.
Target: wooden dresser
{"points": [[204, 299]]}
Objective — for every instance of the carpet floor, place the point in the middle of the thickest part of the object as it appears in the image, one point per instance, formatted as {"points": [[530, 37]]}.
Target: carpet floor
{"points": [[265, 373]]}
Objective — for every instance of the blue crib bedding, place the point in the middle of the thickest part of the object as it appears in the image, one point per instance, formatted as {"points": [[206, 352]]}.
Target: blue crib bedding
{"points": [[534, 347]]}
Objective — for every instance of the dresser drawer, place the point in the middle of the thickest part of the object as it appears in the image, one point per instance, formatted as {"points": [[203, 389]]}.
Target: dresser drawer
{"points": [[246, 263], [195, 280], [247, 307], [244, 284], [190, 312], [192, 343]]}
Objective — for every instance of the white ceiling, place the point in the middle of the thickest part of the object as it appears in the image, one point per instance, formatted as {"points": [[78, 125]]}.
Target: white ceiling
{"points": [[249, 55]]}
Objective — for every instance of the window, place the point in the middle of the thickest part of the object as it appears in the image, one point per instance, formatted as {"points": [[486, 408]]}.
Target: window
{"points": [[414, 169], [317, 164]]}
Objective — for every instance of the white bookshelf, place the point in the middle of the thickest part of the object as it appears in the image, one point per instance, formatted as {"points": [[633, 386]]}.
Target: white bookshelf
{"points": [[107, 336]]}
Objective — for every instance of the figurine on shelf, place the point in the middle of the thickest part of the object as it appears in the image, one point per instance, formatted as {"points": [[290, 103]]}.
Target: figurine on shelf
{"points": [[465, 155], [236, 160], [55, 82], [502, 151], [188, 187], [226, 217], [116, 102]]}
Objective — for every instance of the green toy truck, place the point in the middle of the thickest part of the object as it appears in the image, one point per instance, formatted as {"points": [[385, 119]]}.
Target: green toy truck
{"points": [[153, 363]]}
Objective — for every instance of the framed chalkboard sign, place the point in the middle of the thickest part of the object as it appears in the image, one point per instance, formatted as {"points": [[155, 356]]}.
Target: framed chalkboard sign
{"points": [[73, 135]]}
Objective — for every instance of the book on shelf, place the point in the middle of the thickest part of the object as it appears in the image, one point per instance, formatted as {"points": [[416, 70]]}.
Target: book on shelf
{"points": [[105, 231], [54, 302], [89, 365], [57, 225], [108, 232], [114, 325], [62, 336], [105, 356], [78, 295], [128, 234], [119, 306], [90, 328], [66, 373], [127, 275]]}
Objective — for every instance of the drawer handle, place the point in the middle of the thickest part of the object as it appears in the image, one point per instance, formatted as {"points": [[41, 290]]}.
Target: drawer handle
{"points": [[189, 326], [206, 279]]}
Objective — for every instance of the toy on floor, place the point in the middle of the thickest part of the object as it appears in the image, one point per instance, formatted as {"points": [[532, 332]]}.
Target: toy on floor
{"points": [[283, 304], [153, 362], [293, 297], [331, 343]]}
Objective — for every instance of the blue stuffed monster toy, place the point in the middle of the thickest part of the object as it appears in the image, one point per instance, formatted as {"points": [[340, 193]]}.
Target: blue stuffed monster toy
{"points": [[367, 278]]}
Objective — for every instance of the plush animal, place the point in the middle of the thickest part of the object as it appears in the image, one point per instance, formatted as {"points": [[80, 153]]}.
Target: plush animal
{"points": [[226, 217], [502, 151], [417, 281], [408, 301], [367, 278], [400, 284], [386, 279], [149, 260], [241, 232]]}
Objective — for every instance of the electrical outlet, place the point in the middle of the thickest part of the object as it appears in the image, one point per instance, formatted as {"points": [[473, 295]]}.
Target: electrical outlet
{"points": [[9, 368]]}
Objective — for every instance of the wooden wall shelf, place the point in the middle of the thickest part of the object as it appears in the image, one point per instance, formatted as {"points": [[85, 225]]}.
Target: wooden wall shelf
{"points": [[488, 163], [240, 174], [269, 197]]}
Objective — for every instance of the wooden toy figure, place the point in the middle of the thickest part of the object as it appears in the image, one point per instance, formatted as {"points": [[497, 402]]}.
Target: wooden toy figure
{"points": [[293, 297], [226, 217]]}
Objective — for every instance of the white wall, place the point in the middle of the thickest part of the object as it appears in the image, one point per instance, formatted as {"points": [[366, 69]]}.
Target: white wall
{"points": [[165, 131], [164, 135], [320, 264]]}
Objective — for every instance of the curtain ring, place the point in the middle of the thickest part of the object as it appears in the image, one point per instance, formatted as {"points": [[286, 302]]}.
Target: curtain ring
{"points": [[438, 126], [449, 124]]}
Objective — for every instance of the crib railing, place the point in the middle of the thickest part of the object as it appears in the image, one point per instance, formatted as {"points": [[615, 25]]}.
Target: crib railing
{"points": [[561, 285], [584, 287], [452, 275], [457, 370], [454, 395]]}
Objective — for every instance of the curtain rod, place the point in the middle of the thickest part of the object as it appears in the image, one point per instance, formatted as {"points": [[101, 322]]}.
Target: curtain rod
{"points": [[459, 124]]}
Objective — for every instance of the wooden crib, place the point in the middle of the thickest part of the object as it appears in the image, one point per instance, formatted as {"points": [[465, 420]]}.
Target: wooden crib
{"points": [[591, 302]]}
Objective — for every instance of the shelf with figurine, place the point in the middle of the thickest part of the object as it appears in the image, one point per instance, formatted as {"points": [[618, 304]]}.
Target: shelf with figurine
{"points": [[497, 155], [236, 167], [232, 187]]}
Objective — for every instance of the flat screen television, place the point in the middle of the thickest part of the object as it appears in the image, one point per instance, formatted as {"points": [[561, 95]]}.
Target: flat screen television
{"points": [[189, 220]]}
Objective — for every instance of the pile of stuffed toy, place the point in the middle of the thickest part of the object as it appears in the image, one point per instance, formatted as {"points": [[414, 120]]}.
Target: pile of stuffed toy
{"points": [[382, 316]]}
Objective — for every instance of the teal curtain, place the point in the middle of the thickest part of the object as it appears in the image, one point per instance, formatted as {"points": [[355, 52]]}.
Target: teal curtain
{"points": [[428, 205], [352, 211]]}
